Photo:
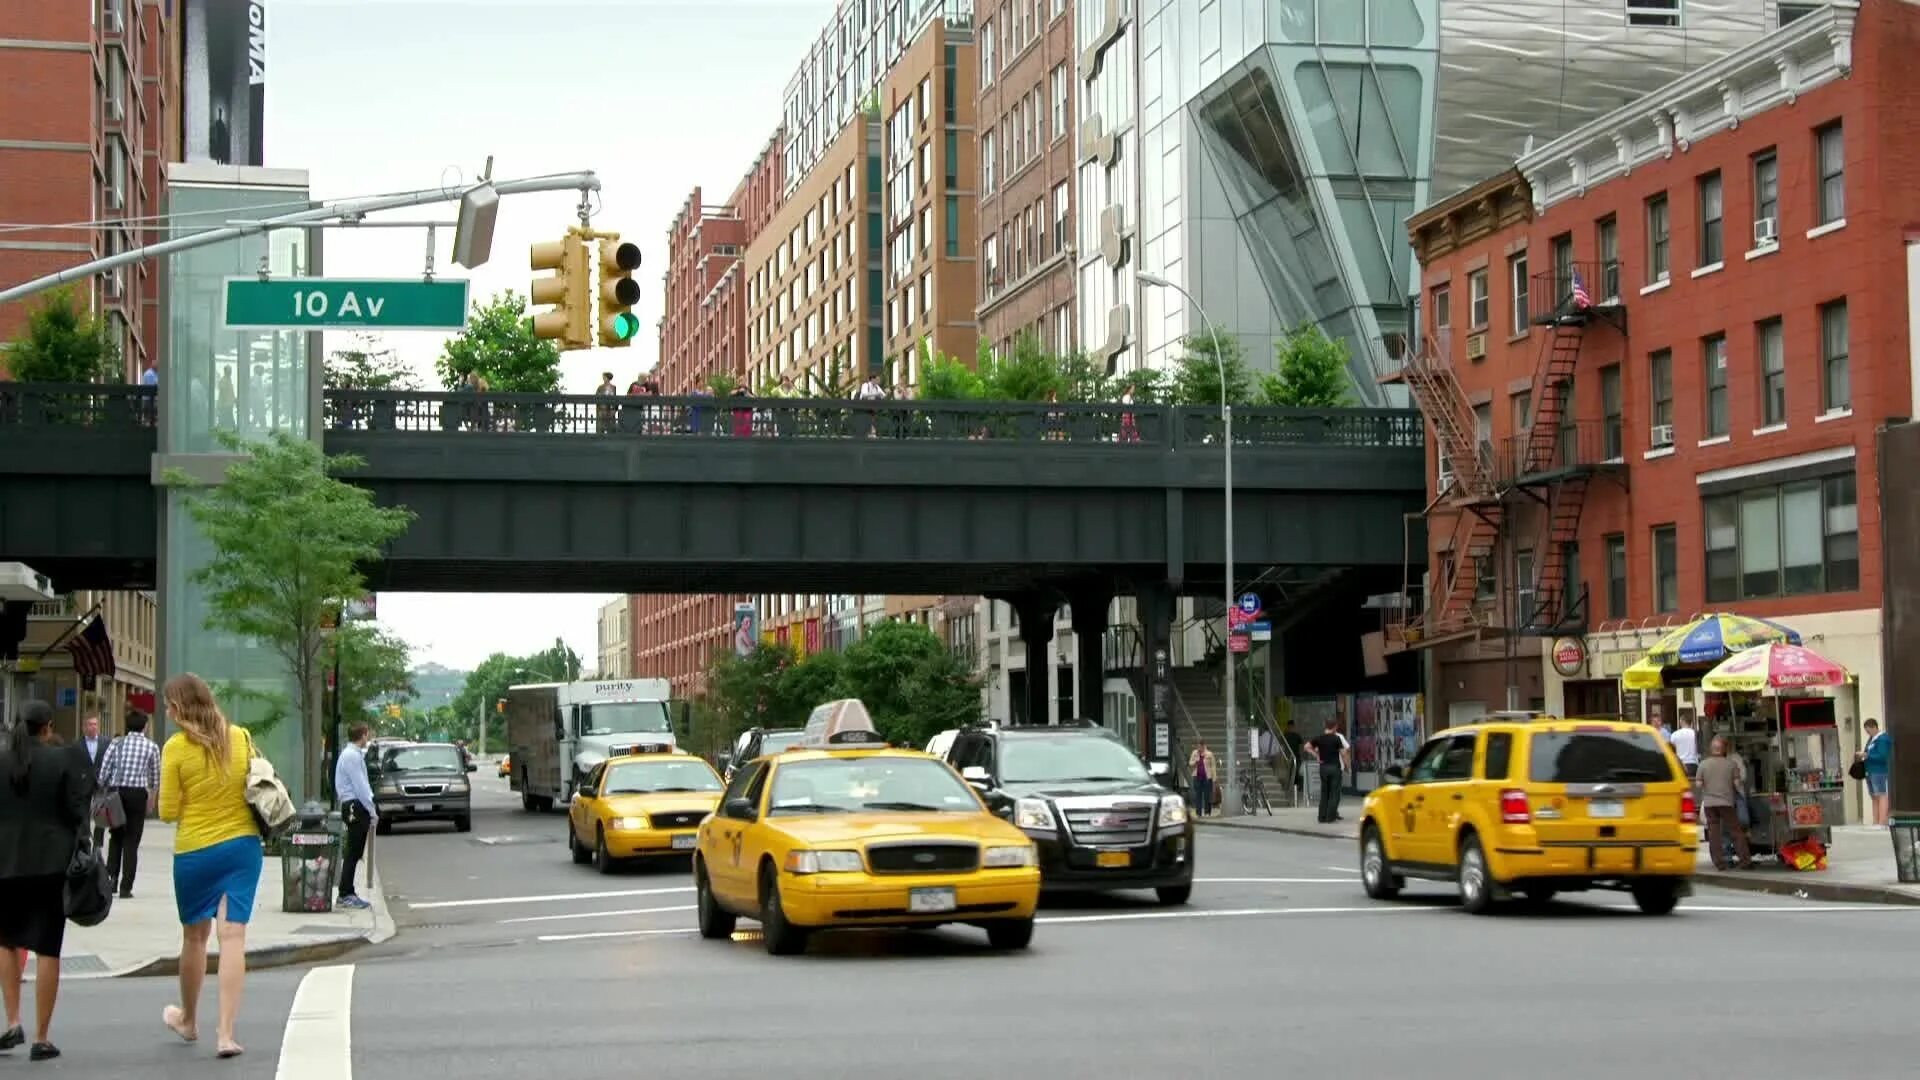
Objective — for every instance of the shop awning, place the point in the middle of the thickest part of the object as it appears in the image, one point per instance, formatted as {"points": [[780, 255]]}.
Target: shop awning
{"points": [[1642, 674], [1776, 666]]}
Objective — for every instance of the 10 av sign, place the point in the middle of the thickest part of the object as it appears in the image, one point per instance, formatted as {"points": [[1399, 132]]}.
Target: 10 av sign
{"points": [[334, 303]]}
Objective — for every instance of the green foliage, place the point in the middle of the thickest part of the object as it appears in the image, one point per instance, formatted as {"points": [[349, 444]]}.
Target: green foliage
{"points": [[1029, 373], [366, 366], [910, 681], [373, 665], [1197, 373], [1149, 386], [721, 384], [943, 378], [1084, 379], [288, 541], [499, 344], [1310, 371], [487, 685], [63, 344]]}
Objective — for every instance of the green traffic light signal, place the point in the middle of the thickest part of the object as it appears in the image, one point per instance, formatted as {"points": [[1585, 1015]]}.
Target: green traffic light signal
{"points": [[625, 325]]}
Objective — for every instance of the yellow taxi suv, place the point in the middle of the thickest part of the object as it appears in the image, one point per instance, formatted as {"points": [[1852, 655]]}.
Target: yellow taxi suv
{"points": [[843, 830], [641, 806], [1530, 806]]}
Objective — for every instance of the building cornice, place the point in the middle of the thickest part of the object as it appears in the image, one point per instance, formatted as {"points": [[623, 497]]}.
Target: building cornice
{"points": [[1809, 52], [1462, 219]]}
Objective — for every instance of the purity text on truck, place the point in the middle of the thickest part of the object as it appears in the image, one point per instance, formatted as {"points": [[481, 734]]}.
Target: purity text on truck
{"points": [[558, 732]]}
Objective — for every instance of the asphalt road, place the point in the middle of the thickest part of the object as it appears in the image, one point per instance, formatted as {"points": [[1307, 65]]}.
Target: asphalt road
{"points": [[513, 962]]}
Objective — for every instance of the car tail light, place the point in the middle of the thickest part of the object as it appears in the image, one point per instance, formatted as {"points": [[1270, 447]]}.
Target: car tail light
{"points": [[1689, 808], [1513, 807]]}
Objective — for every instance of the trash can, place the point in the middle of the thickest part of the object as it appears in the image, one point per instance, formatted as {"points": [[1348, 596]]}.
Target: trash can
{"points": [[310, 860], [1906, 848]]}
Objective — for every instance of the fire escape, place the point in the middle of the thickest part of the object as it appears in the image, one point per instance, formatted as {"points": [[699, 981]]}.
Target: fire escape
{"points": [[1536, 483]]}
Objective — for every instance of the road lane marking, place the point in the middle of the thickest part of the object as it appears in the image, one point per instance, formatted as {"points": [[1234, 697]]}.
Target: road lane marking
{"points": [[595, 914], [548, 899], [1276, 880], [318, 1044], [599, 934], [1341, 869], [1223, 913]]}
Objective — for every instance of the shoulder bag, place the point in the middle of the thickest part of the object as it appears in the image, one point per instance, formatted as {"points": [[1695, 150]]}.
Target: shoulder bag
{"points": [[108, 810], [267, 797], [89, 892]]}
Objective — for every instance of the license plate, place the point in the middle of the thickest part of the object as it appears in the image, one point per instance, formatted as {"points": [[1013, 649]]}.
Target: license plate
{"points": [[1606, 808], [1113, 858], [422, 808], [930, 901], [685, 843]]}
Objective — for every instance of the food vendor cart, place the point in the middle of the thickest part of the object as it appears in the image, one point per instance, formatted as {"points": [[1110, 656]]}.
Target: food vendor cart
{"points": [[1778, 718]]}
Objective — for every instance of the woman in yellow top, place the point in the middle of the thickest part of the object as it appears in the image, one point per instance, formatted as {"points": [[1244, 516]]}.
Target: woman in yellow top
{"points": [[216, 852]]}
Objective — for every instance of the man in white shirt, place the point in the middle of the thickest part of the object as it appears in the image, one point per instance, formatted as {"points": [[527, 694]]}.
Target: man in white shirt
{"points": [[1686, 744]]}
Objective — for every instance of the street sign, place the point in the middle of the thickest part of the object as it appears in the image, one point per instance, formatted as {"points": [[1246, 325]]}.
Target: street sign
{"points": [[1238, 643], [1236, 619], [332, 303], [1249, 603], [1260, 631]]}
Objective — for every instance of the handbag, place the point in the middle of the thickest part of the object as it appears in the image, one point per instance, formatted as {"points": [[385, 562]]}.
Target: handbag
{"points": [[109, 812], [89, 891], [267, 797], [1858, 770]]}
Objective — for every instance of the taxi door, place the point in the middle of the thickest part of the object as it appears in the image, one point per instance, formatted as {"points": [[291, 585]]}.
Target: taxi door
{"points": [[723, 854], [1419, 824], [584, 811], [1446, 802]]}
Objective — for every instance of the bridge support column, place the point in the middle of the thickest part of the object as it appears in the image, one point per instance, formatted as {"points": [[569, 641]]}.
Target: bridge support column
{"points": [[1036, 611], [1159, 741], [1090, 660]]}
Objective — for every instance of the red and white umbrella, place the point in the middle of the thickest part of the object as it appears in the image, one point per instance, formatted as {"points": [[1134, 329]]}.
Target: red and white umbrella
{"points": [[1775, 666]]}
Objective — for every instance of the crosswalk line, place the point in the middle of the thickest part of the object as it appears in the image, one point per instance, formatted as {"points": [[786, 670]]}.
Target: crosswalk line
{"points": [[318, 1044]]}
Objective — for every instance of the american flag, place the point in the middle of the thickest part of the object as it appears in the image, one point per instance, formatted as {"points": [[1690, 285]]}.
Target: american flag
{"points": [[1581, 298], [92, 652]]}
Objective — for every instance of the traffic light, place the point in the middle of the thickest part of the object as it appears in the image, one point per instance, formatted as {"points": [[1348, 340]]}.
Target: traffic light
{"points": [[500, 705], [393, 711], [565, 289], [618, 291]]}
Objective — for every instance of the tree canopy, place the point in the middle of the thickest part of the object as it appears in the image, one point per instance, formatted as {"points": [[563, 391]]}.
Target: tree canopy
{"points": [[487, 685], [373, 665], [368, 366], [1310, 370], [63, 344], [498, 343]]}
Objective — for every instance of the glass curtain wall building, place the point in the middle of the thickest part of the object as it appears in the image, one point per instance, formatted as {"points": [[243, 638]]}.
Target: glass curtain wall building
{"points": [[1265, 154]]}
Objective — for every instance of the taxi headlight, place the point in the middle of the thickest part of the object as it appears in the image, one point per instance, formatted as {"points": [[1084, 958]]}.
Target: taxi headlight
{"points": [[823, 862], [1033, 814], [1013, 855], [625, 824], [1173, 811]]}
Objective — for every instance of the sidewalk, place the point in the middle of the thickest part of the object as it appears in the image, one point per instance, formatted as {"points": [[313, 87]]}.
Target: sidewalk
{"points": [[142, 935], [1859, 864]]}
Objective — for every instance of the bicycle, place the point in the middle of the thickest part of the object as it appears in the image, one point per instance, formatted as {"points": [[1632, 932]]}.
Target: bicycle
{"points": [[1253, 793]]}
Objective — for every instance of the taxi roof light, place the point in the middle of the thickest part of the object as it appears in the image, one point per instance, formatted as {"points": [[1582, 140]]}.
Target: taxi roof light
{"points": [[845, 722]]}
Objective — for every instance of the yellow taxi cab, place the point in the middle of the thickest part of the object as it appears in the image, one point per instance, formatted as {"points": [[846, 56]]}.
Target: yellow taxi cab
{"points": [[506, 765], [1529, 805], [641, 805], [842, 830]]}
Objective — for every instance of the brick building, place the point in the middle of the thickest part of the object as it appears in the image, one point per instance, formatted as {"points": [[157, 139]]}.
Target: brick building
{"points": [[1027, 172], [1657, 352], [89, 118]]}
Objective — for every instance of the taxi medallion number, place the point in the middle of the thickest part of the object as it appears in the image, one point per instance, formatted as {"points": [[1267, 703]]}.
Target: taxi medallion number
{"points": [[1113, 858], [685, 842], [930, 901]]}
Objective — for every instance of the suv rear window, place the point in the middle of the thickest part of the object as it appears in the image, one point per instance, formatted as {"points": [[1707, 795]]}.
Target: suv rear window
{"points": [[1598, 757]]}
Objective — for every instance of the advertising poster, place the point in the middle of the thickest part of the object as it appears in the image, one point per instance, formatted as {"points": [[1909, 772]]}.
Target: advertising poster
{"points": [[225, 77], [746, 629]]}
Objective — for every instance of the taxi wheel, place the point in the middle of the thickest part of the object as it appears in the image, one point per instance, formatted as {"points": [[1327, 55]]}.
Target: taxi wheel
{"points": [[783, 938], [581, 856], [716, 923], [1010, 933], [1375, 876], [1656, 897], [1476, 882], [602, 861]]}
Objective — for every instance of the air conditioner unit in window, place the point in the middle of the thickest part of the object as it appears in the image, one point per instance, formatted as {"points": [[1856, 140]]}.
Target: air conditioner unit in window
{"points": [[1766, 232], [1662, 435], [1476, 346]]}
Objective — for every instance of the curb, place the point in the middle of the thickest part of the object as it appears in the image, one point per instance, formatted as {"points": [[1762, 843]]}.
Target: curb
{"points": [[1288, 830], [276, 956]]}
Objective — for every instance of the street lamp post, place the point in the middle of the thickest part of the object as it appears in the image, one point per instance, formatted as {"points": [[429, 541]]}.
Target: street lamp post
{"points": [[1230, 797]]}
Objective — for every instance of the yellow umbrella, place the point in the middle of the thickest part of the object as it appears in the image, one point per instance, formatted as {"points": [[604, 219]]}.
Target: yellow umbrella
{"points": [[1643, 674]]}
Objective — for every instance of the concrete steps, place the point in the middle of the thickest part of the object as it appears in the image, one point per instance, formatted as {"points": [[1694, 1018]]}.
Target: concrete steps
{"points": [[1207, 707]]}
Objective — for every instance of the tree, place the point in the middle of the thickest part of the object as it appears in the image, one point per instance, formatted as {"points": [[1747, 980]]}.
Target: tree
{"points": [[745, 691], [1148, 385], [910, 681], [1028, 373], [498, 343], [1084, 379], [945, 378], [1196, 375], [288, 539], [1310, 371], [373, 664], [367, 366], [64, 344], [487, 685]]}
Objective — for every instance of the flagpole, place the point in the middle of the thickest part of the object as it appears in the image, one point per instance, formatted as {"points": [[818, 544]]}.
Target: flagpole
{"points": [[79, 624]]}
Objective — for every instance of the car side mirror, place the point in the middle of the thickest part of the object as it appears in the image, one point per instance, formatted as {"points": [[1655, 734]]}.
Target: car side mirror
{"points": [[977, 776], [740, 808], [1394, 774]]}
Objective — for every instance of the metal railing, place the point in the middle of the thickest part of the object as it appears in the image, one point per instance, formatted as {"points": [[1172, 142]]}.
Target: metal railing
{"points": [[86, 405], [1582, 444], [1550, 293], [1265, 426]]}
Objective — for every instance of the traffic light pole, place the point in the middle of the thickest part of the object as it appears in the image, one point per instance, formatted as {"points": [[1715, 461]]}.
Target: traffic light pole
{"points": [[339, 210]]}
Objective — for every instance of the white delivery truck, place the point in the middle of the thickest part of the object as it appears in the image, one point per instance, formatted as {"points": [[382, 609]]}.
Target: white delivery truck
{"points": [[557, 732]]}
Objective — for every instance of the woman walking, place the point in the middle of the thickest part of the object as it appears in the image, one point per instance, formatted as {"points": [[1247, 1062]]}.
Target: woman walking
{"points": [[216, 852], [45, 789]]}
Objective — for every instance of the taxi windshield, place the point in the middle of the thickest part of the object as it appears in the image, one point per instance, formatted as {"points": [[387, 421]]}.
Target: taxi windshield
{"points": [[646, 777], [850, 785], [1066, 759], [624, 718]]}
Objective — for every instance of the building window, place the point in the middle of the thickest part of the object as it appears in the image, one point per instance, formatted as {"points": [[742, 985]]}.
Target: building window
{"points": [[1520, 411], [1517, 271], [1835, 381], [1607, 241], [1787, 540], [1653, 12], [1833, 173], [1660, 392], [1057, 86], [1712, 226], [1790, 12], [1486, 584], [987, 66], [1523, 590], [1766, 200], [1477, 300], [990, 265], [1713, 358], [1610, 412], [988, 163], [1562, 255], [1572, 583], [953, 227], [1773, 374], [1442, 309], [1616, 576], [1060, 216], [1666, 570], [1657, 237]]}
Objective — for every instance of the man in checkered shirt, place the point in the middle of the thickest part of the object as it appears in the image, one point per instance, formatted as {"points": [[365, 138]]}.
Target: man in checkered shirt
{"points": [[131, 772]]}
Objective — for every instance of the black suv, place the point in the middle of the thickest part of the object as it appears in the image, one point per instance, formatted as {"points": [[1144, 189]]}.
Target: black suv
{"points": [[420, 782], [1101, 820]]}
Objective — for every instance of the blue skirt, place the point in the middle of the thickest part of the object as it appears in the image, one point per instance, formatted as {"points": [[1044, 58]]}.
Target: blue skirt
{"points": [[229, 870]]}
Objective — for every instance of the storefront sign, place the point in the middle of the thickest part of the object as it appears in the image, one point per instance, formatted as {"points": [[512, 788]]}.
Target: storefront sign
{"points": [[1569, 656]]}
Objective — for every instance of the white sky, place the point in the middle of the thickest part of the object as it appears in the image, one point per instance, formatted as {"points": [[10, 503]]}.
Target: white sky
{"points": [[656, 96]]}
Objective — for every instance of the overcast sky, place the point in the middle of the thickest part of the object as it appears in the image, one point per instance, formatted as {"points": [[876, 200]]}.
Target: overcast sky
{"points": [[656, 96]]}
